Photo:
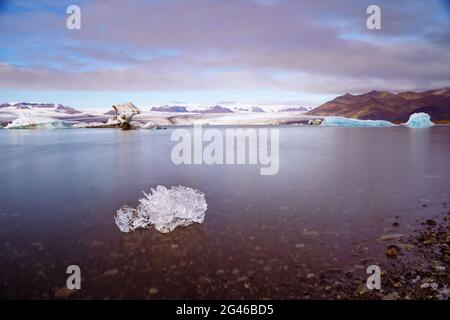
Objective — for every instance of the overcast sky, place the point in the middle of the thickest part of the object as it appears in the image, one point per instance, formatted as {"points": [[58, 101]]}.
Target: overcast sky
{"points": [[207, 52]]}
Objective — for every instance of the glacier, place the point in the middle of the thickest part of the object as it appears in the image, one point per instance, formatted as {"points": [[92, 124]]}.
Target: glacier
{"points": [[28, 121], [419, 120], [165, 209], [350, 122]]}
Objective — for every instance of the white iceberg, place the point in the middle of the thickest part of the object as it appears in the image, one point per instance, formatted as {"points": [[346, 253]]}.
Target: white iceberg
{"points": [[126, 112], [28, 121], [165, 209], [126, 108], [350, 122], [94, 124], [419, 120]]}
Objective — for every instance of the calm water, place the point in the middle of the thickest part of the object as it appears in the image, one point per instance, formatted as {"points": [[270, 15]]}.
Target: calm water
{"points": [[337, 192]]}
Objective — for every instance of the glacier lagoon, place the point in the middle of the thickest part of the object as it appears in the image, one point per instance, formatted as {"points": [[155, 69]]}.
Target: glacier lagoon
{"points": [[328, 211]]}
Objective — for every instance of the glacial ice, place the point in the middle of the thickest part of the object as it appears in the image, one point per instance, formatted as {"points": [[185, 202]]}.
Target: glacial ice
{"points": [[28, 121], [419, 120], [127, 108], [350, 122], [165, 209], [95, 124], [126, 112]]}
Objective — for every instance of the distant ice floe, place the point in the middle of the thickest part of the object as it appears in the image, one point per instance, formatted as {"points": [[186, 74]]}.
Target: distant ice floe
{"points": [[419, 120], [165, 209], [94, 124], [28, 121], [349, 122]]}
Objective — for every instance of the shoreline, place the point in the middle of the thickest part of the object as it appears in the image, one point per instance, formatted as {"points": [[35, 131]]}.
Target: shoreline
{"points": [[417, 271]]}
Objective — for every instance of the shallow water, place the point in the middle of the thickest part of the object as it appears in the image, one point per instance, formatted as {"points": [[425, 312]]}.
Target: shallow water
{"points": [[338, 190]]}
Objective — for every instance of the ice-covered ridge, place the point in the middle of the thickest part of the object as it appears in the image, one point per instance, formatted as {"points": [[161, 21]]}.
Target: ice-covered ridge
{"points": [[28, 121], [419, 120], [349, 122], [165, 209]]}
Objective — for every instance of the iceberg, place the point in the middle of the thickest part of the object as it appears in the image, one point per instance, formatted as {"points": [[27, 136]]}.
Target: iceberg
{"points": [[94, 124], [126, 108], [126, 112], [350, 122], [28, 121], [419, 120], [165, 209]]}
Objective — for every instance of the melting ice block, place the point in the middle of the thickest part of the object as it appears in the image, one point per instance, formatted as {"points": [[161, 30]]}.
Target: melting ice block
{"points": [[349, 122], [165, 209], [419, 120]]}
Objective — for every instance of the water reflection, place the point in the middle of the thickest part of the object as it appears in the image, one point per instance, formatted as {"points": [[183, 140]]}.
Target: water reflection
{"points": [[338, 190]]}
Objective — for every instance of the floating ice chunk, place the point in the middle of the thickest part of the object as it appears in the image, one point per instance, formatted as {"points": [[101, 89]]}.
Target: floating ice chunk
{"points": [[350, 122], [127, 108], [28, 121], [419, 120], [165, 209], [126, 112], [129, 219], [170, 208], [95, 124]]}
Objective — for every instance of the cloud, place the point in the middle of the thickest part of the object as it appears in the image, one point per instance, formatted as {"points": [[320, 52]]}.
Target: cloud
{"points": [[313, 46]]}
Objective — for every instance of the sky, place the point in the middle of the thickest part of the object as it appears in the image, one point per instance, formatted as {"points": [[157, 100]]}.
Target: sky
{"points": [[227, 52]]}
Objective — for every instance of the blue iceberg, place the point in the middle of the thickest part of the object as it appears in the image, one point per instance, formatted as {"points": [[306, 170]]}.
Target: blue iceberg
{"points": [[419, 120], [350, 122]]}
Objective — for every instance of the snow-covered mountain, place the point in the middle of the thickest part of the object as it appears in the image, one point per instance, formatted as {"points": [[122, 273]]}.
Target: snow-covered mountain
{"points": [[294, 109], [215, 109], [168, 108], [46, 106], [252, 109], [111, 113], [257, 109]]}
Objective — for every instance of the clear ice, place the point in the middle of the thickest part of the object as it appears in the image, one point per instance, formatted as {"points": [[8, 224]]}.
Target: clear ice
{"points": [[165, 209], [350, 122], [419, 120]]}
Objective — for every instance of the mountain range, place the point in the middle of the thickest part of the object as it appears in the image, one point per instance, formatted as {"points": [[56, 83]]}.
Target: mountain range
{"points": [[215, 109], [373, 105], [384, 105], [252, 109], [294, 109], [169, 109], [48, 106]]}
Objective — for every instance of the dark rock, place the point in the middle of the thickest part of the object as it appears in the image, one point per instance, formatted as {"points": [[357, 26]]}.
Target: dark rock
{"points": [[392, 251]]}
